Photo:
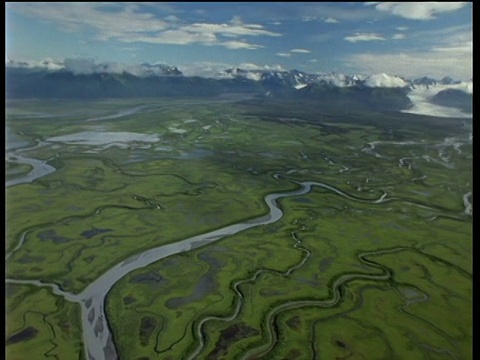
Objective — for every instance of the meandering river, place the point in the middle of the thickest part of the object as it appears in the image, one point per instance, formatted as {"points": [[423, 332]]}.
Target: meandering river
{"points": [[96, 334], [14, 146]]}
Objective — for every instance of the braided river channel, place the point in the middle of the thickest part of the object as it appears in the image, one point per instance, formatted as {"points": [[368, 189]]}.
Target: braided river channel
{"points": [[96, 334]]}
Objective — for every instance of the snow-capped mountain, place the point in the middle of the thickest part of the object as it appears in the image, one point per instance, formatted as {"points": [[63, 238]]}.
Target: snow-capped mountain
{"points": [[81, 78], [299, 80], [293, 78], [278, 77], [447, 80], [442, 98], [43, 65], [88, 66], [425, 81], [385, 81]]}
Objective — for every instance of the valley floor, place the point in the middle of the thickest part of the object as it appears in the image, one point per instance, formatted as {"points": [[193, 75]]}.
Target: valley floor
{"points": [[359, 266]]}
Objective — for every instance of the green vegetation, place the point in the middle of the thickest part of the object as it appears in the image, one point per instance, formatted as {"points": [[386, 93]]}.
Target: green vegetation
{"points": [[40, 324], [13, 170], [336, 277]]}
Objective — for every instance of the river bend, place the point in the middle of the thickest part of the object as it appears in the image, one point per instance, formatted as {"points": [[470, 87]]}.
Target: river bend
{"points": [[96, 334]]}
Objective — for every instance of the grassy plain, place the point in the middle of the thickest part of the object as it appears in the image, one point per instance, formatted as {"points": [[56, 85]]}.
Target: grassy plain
{"points": [[396, 265], [41, 325]]}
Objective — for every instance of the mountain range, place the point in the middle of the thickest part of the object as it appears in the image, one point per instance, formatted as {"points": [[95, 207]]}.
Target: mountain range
{"points": [[83, 79]]}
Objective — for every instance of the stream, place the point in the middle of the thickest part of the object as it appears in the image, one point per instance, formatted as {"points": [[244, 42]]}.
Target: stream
{"points": [[96, 334], [16, 145], [40, 169], [97, 338]]}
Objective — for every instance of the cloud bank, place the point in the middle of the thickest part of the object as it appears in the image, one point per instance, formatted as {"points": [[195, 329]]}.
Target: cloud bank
{"points": [[449, 52], [364, 37], [82, 66], [300, 51], [384, 80], [129, 23], [418, 10]]}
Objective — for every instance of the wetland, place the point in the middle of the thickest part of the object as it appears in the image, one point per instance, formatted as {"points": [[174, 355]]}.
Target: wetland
{"points": [[225, 229]]}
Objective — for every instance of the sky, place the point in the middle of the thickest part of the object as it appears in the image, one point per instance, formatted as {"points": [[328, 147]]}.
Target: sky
{"points": [[405, 39]]}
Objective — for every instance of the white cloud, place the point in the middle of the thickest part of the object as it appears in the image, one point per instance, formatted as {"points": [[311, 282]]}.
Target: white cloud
{"points": [[322, 10], [331, 20], [453, 33], [178, 37], [205, 69], [460, 48], [236, 20], [80, 66], [275, 67], [226, 29], [89, 66], [455, 36], [252, 66], [78, 16], [398, 36], [419, 10], [239, 45], [402, 28], [364, 37], [384, 80], [257, 26], [216, 70], [172, 18], [293, 51], [48, 64], [249, 66], [300, 51], [181, 37], [125, 22], [414, 65], [309, 18], [449, 53]]}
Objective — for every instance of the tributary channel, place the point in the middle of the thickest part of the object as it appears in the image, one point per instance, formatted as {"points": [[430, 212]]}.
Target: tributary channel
{"points": [[96, 334]]}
